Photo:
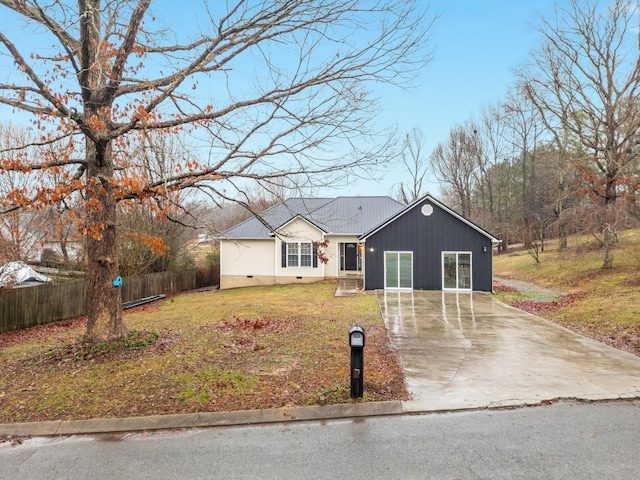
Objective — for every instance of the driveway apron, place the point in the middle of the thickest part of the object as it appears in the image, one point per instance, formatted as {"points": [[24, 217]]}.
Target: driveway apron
{"points": [[467, 350]]}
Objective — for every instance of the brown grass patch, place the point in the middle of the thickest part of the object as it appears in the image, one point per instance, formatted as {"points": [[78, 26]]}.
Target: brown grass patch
{"points": [[603, 304], [201, 352]]}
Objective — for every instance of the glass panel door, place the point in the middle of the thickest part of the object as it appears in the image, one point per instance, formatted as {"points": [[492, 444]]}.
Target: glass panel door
{"points": [[456, 271], [449, 261], [464, 271], [390, 269], [398, 270], [406, 270]]}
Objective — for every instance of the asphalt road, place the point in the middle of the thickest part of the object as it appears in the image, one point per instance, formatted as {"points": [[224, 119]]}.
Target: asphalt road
{"points": [[561, 441]]}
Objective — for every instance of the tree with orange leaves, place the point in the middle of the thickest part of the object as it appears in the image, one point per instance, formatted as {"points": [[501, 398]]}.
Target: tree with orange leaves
{"points": [[269, 89]]}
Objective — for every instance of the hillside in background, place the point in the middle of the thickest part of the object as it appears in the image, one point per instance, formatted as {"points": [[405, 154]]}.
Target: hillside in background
{"points": [[601, 304]]}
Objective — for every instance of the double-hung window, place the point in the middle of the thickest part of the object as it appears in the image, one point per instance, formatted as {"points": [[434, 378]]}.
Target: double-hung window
{"points": [[306, 254], [299, 254], [293, 254]]}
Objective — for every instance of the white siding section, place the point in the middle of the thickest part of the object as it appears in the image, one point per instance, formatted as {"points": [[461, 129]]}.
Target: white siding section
{"points": [[247, 257], [298, 230], [259, 261]]}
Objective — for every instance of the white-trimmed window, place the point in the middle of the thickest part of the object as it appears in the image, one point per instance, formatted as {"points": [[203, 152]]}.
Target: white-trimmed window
{"points": [[299, 254], [456, 271], [306, 254], [398, 270], [293, 255]]}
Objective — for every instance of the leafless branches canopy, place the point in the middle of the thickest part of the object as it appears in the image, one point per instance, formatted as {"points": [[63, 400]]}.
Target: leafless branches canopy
{"points": [[266, 90], [560, 154], [416, 164], [455, 163], [586, 80], [275, 88]]}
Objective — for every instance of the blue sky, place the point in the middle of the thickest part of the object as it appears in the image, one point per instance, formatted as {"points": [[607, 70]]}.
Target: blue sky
{"points": [[477, 45]]}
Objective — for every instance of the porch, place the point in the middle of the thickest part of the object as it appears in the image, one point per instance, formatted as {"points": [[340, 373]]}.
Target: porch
{"points": [[350, 284]]}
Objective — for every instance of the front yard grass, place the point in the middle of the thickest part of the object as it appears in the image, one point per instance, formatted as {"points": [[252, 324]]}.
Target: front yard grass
{"points": [[249, 348]]}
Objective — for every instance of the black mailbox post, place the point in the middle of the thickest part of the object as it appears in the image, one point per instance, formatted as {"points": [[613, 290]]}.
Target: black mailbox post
{"points": [[356, 342]]}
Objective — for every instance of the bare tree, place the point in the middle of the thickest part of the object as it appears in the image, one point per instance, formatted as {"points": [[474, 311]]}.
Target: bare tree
{"points": [[455, 164], [272, 89], [415, 163], [523, 131], [585, 79], [154, 232], [493, 147]]}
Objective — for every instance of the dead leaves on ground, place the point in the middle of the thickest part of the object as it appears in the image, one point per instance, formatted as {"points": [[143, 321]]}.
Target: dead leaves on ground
{"points": [[284, 356], [254, 324], [626, 338]]}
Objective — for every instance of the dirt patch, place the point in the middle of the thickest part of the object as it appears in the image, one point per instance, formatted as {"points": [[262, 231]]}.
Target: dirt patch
{"points": [[501, 288], [42, 332], [254, 324], [533, 291], [131, 347]]}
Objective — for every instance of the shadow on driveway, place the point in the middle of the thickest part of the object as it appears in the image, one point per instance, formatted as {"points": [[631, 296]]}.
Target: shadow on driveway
{"points": [[467, 350]]}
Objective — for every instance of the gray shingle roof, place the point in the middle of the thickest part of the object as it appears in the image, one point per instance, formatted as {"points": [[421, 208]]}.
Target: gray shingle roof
{"points": [[341, 215]]}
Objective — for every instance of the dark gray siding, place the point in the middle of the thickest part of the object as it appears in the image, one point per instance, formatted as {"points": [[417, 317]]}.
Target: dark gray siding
{"points": [[427, 237]]}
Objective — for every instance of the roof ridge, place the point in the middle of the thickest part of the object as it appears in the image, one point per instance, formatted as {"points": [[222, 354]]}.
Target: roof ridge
{"points": [[340, 196], [354, 213]]}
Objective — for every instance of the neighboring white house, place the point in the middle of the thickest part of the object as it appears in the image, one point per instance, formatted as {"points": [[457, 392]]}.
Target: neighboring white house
{"points": [[285, 243]]}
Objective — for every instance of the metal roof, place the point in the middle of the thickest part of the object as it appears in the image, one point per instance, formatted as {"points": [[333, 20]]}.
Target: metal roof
{"points": [[338, 216]]}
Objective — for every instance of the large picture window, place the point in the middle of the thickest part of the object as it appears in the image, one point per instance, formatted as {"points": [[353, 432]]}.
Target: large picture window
{"points": [[299, 254]]}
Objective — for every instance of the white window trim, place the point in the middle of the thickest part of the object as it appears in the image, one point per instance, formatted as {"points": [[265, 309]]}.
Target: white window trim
{"points": [[385, 270], [456, 289], [300, 255]]}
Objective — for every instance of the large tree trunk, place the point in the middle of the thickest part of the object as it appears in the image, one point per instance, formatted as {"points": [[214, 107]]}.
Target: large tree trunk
{"points": [[104, 299], [609, 222], [609, 240]]}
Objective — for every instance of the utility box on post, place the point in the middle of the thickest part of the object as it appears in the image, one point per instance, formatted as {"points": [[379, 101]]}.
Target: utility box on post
{"points": [[356, 342]]}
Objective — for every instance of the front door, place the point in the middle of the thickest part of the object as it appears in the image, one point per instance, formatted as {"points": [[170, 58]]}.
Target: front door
{"points": [[350, 257]]}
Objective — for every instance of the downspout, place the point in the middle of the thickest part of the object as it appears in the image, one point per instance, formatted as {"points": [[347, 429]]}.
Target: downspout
{"points": [[275, 259], [363, 264]]}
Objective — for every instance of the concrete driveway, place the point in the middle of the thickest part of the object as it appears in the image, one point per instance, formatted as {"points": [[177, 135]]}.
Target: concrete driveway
{"points": [[467, 350]]}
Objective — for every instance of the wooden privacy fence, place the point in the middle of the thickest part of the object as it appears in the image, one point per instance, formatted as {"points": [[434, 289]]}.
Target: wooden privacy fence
{"points": [[30, 306]]}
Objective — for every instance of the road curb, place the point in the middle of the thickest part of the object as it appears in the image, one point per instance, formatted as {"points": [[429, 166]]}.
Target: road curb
{"points": [[196, 420], [276, 415]]}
